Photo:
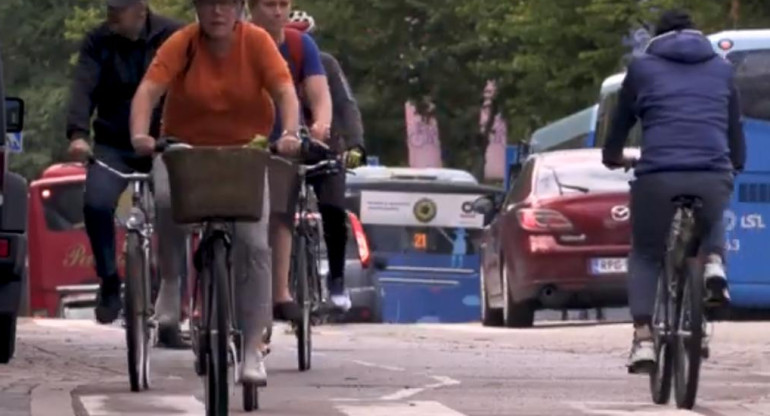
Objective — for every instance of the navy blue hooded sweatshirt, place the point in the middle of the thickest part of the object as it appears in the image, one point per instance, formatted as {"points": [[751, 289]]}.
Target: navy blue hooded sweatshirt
{"points": [[685, 97]]}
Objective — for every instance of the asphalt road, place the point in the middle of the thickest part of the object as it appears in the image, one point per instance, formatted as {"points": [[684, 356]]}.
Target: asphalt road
{"points": [[67, 368]]}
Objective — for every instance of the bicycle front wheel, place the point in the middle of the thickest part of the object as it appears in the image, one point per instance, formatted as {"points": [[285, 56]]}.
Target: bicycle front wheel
{"points": [[218, 324], [660, 377], [689, 337], [302, 297], [136, 314]]}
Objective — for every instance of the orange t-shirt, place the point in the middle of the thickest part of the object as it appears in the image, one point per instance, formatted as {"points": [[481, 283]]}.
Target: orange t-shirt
{"points": [[218, 101]]}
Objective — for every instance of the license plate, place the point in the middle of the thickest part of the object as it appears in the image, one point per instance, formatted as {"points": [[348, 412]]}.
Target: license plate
{"points": [[609, 266]]}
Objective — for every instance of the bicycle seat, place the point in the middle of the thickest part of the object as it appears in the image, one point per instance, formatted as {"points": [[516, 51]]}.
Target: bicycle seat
{"points": [[686, 200]]}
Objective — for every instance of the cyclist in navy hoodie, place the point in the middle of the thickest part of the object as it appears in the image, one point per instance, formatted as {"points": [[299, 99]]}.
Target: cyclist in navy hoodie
{"points": [[683, 94]]}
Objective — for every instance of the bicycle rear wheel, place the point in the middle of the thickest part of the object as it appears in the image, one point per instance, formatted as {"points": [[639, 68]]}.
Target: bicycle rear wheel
{"points": [[689, 337], [218, 324], [135, 313], [660, 377], [302, 297]]}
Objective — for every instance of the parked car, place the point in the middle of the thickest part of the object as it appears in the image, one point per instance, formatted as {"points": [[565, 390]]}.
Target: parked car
{"points": [[13, 230], [560, 239]]}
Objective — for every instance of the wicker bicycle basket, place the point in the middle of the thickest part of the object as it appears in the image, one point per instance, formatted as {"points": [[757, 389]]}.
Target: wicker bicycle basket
{"points": [[216, 183]]}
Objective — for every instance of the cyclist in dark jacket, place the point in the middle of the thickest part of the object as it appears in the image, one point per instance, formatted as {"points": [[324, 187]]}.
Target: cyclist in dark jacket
{"points": [[684, 95], [112, 61]]}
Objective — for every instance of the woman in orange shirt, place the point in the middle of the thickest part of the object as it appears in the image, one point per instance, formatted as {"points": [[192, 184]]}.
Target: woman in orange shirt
{"points": [[219, 76]]}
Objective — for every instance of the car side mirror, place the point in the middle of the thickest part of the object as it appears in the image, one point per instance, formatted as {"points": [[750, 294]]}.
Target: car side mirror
{"points": [[483, 206], [380, 263], [14, 114]]}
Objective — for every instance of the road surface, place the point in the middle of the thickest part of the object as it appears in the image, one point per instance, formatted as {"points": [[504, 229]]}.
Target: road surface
{"points": [[68, 368]]}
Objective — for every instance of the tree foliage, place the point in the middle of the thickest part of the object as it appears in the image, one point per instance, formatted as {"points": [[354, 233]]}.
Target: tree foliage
{"points": [[547, 58]]}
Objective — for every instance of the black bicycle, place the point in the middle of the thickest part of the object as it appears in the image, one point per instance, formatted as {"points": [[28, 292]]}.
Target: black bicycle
{"points": [[141, 328], [196, 176], [679, 317], [305, 282]]}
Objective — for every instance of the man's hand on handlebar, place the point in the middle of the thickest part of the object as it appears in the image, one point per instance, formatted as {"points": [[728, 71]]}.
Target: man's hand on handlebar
{"points": [[288, 145], [144, 144], [79, 149], [353, 157], [627, 163]]}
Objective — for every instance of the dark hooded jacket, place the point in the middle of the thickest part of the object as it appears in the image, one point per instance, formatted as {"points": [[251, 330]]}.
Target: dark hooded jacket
{"points": [[685, 97], [108, 72]]}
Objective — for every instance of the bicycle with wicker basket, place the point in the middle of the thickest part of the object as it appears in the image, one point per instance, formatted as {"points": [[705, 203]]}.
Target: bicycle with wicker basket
{"points": [[196, 178]]}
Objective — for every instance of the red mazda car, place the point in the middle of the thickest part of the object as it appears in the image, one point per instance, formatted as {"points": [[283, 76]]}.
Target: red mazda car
{"points": [[560, 239]]}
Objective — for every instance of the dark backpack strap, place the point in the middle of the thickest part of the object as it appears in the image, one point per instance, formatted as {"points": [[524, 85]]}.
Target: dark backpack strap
{"points": [[296, 52]]}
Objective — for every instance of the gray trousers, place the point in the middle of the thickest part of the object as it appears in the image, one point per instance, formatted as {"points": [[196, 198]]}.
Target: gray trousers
{"points": [[251, 260], [651, 215]]}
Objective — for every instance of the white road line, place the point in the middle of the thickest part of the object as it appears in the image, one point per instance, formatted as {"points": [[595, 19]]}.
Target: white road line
{"points": [[422, 408], [441, 381], [379, 366], [148, 405], [49, 400], [732, 408]]}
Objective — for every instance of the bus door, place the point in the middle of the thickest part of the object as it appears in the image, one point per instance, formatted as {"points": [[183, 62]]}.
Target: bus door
{"points": [[430, 242]]}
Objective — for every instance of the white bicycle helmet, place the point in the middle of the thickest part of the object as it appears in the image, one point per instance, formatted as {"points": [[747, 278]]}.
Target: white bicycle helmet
{"points": [[301, 19]]}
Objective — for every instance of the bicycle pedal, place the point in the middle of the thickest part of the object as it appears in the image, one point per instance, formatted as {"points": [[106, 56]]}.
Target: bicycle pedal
{"points": [[644, 367]]}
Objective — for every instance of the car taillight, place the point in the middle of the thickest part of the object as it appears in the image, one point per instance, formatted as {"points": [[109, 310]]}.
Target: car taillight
{"points": [[538, 219], [5, 248], [363, 246]]}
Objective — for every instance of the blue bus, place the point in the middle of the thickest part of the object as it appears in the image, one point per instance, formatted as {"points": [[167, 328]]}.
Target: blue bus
{"points": [[747, 238], [422, 223]]}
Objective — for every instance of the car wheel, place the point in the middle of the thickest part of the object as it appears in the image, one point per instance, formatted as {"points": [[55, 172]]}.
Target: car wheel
{"points": [[489, 316], [515, 314], [7, 337]]}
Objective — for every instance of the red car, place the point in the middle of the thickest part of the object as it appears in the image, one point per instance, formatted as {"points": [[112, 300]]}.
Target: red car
{"points": [[560, 239]]}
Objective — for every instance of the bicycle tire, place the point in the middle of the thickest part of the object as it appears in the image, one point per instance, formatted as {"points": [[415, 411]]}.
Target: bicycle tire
{"points": [[691, 303], [135, 314], [661, 376], [301, 295], [218, 344]]}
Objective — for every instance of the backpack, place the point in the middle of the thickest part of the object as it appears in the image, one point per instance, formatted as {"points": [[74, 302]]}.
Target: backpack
{"points": [[296, 52], [293, 38]]}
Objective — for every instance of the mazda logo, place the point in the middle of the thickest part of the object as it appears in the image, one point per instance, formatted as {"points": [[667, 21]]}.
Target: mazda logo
{"points": [[620, 213]]}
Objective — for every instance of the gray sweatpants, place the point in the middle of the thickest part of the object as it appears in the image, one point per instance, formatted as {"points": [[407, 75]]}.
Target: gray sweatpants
{"points": [[251, 260], [651, 215]]}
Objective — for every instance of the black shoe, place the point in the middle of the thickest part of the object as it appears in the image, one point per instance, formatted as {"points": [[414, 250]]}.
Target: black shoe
{"points": [[108, 302], [287, 312], [170, 337]]}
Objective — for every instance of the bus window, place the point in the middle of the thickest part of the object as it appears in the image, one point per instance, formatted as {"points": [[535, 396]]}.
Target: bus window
{"points": [[604, 119], [752, 78], [63, 206], [421, 240]]}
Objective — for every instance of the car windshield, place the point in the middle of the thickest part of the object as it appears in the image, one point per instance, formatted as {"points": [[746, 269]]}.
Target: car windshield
{"points": [[63, 206], [580, 178]]}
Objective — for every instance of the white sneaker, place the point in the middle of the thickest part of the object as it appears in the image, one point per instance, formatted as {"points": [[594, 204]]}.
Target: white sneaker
{"points": [[715, 279], [642, 358], [342, 301], [253, 369]]}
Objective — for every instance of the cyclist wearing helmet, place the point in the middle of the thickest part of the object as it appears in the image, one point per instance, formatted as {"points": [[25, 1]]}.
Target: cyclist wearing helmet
{"points": [[685, 97], [312, 84], [347, 127], [220, 74]]}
